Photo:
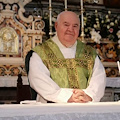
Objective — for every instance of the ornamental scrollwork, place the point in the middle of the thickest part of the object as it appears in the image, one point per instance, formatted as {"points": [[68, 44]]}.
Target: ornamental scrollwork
{"points": [[22, 3], [39, 24]]}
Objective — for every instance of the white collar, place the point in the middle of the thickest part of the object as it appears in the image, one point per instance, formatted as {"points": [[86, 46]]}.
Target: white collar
{"points": [[60, 45]]}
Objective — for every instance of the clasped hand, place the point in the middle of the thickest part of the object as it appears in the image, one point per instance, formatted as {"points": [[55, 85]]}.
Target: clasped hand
{"points": [[79, 96]]}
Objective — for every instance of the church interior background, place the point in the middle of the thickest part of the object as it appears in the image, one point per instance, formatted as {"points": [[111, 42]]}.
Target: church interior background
{"points": [[26, 23]]}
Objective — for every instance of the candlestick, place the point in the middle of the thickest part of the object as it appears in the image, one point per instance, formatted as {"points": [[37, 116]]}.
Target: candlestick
{"points": [[82, 22], [50, 18]]}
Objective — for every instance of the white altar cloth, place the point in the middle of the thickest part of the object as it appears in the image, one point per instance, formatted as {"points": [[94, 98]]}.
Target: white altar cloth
{"points": [[11, 81], [61, 111]]}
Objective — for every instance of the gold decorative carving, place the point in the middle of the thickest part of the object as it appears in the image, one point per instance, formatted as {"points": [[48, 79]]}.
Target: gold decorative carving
{"points": [[39, 24], [8, 41], [12, 70]]}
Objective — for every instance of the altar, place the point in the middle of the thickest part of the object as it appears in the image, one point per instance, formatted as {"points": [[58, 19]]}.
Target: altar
{"points": [[61, 111]]}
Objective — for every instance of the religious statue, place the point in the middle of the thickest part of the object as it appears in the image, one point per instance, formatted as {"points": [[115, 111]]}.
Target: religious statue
{"points": [[8, 41]]}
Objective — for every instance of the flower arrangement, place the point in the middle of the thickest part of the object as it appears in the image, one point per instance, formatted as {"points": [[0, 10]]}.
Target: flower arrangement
{"points": [[107, 25], [104, 31], [95, 36]]}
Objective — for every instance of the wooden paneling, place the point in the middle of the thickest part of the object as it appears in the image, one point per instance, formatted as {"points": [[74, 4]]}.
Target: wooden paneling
{"points": [[112, 3]]}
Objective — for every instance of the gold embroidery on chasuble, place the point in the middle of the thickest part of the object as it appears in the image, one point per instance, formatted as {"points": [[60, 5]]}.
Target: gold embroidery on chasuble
{"points": [[72, 73], [87, 55], [69, 64]]}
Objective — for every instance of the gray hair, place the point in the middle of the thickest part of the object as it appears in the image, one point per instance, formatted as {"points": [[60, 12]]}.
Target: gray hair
{"points": [[59, 15]]}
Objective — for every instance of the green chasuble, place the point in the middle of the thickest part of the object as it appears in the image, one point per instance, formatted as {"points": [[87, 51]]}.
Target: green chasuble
{"points": [[68, 73]]}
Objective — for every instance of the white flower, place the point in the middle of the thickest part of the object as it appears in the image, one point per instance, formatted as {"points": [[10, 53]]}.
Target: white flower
{"points": [[95, 26], [95, 36], [102, 21], [112, 23], [118, 41], [86, 30], [108, 26], [118, 34], [97, 19], [109, 12], [106, 16], [107, 20], [116, 21]]}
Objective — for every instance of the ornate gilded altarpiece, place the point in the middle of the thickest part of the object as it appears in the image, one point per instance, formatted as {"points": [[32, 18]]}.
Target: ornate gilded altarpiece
{"points": [[18, 34]]}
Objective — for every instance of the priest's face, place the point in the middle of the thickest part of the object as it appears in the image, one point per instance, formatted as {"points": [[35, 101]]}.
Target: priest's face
{"points": [[67, 28]]}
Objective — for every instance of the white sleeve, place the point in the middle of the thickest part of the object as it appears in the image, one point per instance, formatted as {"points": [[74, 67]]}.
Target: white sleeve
{"points": [[98, 82], [40, 81]]}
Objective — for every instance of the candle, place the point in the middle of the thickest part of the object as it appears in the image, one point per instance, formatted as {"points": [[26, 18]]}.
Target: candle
{"points": [[49, 2], [81, 3], [82, 23], [65, 4], [118, 63]]}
